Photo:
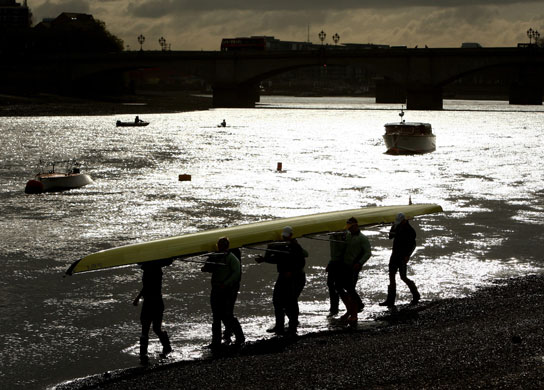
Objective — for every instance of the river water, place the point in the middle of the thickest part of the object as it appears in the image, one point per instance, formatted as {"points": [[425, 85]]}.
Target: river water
{"points": [[486, 173]]}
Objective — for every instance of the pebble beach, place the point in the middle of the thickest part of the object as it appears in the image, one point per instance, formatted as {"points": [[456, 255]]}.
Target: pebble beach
{"points": [[491, 339]]}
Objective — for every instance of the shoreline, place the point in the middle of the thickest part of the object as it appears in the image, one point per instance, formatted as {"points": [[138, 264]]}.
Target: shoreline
{"points": [[44, 105], [140, 104], [492, 339]]}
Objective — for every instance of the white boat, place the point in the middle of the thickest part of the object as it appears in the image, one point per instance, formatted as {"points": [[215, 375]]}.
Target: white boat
{"points": [[53, 181], [409, 137]]}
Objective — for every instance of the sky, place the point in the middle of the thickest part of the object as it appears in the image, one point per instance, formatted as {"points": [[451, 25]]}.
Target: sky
{"points": [[201, 24]]}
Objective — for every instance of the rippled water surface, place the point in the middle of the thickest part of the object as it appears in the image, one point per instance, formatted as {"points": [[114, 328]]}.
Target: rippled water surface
{"points": [[486, 173]]}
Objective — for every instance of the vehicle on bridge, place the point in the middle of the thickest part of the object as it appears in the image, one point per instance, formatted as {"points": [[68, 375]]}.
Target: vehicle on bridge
{"points": [[265, 43], [243, 44], [409, 137]]}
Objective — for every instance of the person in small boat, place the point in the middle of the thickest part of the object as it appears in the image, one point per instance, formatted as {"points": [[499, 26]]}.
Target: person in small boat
{"points": [[137, 119], [404, 243], [226, 274], [224, 123], [290, 259], [356, 253], [152, 308]]}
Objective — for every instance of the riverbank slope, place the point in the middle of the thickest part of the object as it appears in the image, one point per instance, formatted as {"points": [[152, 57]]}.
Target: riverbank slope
{"points": [[492, 339]]}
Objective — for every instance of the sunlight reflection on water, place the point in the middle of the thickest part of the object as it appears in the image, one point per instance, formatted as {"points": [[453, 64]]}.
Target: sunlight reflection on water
{"points": [[486, 173]]}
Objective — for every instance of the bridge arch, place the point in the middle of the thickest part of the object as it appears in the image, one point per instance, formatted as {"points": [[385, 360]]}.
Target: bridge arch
{"points": [[419, 74]]}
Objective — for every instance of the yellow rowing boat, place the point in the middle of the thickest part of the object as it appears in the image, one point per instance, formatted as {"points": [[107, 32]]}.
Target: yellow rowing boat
{"points": [[242, 235]]}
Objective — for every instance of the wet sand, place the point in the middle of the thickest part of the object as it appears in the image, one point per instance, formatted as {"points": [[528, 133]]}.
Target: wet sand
{"points": [[145, 103], [492, 339]]}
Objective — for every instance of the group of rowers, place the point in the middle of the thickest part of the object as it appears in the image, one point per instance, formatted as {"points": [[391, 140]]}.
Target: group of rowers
{"points": [[350, 250]]}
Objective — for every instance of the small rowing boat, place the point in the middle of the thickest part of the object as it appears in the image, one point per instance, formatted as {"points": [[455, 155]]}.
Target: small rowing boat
{"points": [[131, 124]]}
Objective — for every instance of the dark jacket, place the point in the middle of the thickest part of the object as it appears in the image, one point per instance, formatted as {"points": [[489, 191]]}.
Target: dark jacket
{"points": [[152, 283], [288, 256], [404, 239], [225, 269]]}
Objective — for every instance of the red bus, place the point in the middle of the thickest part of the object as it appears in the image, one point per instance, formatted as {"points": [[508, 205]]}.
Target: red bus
{"points": [[243, 44]]}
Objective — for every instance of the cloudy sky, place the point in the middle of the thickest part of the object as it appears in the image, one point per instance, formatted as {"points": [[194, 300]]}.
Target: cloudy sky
{"points": [[200, 24]]}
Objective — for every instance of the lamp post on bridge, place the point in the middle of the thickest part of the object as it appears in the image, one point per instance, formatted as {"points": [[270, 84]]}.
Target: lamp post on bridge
{"points": [[322, 36], [336, 38], [533, 34], [162, 42], [141, 40]]}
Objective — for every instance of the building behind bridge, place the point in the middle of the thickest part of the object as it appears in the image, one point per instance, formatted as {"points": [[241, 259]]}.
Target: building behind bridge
{"points": [[68, 33], [14, 15]]}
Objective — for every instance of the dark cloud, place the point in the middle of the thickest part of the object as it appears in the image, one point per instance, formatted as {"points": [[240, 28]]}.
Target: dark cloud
{"points": [[154, 8], [52, 9], [475, 14], [190, 24]]}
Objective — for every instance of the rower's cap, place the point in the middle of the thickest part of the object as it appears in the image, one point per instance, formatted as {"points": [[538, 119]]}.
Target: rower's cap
{"points": [[400, 217], [287, 232], [350, 222]]}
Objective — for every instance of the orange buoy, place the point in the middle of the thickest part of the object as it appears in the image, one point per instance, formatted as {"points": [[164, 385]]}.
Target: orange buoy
{"points": [[279, 167]]}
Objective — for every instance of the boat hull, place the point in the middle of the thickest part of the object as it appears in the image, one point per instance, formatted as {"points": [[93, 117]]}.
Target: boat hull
{"points": [[60, 182], [243, 235], [409, 144], [131, 124]]}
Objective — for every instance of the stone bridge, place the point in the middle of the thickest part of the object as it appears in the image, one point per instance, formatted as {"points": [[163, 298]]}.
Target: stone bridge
{"points": [[416, 76]]}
